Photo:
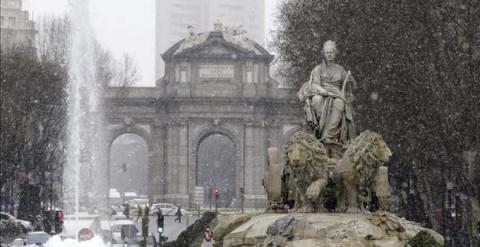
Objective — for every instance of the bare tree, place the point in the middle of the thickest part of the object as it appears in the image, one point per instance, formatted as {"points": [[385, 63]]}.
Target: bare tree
{"points": [[126, 72], [53, 39]]}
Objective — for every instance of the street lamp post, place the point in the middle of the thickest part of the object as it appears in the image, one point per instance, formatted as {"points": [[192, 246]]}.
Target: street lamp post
{"points": [[242, 198]]}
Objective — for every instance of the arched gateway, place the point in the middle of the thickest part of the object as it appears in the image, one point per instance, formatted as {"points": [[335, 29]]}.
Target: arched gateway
{"points": [[215, 83]]}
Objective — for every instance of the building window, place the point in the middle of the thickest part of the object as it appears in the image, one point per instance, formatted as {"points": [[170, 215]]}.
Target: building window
{"points": [[184, 67], [249, 76], [183, 76], [249, 72], [255, 73], [12, 21]]}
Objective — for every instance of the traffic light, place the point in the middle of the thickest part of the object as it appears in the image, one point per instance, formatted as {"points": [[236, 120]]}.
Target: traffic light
{"points": [[58, 222], [122, 233], [59, 216], [216, 192], [144, 227], [160, 224]]}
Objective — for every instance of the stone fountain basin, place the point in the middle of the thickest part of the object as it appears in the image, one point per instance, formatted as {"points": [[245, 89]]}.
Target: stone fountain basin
{"points": [[332, 229]]}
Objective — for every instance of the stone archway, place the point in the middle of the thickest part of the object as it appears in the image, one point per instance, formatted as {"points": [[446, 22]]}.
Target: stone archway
{"points": [[116, 133], [216, 86], [228, 176], [129, 164], [216, 167]]}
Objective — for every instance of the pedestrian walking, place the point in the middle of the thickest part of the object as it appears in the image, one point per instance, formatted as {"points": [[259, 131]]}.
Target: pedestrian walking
{"points": [[179, 215], [208, 240], [147, 211], [126, 211], [140, 214]]}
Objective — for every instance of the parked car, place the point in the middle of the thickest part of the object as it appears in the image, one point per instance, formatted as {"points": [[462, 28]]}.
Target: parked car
{"points": [[9, 230], [24, 225], [138, 202], [135, 203], [33, 239], [37, 238], [19, 242], [167, 209]]}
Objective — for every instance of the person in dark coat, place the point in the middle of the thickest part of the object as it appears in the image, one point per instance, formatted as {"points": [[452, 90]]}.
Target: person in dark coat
{"points": [[126, 211], [140, 213], [179, 215]]}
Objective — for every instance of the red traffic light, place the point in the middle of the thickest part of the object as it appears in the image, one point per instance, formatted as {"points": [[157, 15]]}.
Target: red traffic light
{"points": [[216, 192], [59, 215]]}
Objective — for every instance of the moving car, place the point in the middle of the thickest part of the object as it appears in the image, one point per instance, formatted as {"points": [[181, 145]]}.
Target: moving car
{"points": [[167, 209], [24, 225]]}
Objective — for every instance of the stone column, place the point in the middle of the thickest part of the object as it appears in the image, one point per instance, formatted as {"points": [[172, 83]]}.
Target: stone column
{"points": [[255, 160], [157, 169], [177, 163]]}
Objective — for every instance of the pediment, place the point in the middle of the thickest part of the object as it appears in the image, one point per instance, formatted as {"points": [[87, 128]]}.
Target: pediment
{"points": [[216, 45], [215, 48]]}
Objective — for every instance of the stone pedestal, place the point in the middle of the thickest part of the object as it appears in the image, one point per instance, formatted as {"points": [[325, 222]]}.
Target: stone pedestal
{"points": [[255, 201]]}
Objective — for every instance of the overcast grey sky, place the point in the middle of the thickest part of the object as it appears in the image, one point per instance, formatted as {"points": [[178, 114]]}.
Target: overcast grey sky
{"points": [[125, 26]]}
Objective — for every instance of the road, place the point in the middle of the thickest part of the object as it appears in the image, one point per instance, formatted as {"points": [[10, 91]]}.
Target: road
{"points": [[172, 228]]}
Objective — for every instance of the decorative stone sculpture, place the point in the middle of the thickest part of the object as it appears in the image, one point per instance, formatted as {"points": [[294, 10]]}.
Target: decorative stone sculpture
{"points": [[280, 232], [357, 175], [272, 181], [307, 163], [330, 157], [333, 230], [358, 171], [327, 97]]}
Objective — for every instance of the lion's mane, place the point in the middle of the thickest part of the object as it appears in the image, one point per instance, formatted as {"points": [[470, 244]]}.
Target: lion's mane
{"points": [[362, 155], [316, 149]]}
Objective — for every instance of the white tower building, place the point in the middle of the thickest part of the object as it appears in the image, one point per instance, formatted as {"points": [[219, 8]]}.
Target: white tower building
{"points": [[173, 18]]}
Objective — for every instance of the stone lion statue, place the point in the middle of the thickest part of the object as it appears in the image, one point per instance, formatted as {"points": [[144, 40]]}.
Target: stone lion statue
{"points": [[360, 173], [307, 164]]}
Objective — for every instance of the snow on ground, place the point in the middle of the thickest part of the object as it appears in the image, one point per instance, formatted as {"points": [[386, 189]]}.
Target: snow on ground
{"points": [[56, 241], [72, 227]]}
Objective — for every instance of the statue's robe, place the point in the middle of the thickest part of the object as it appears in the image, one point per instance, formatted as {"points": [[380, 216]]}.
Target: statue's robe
{"points": [[333, 115]]}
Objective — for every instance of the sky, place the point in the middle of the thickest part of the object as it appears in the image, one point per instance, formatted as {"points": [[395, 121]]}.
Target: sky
{"points": [[125, 26]]}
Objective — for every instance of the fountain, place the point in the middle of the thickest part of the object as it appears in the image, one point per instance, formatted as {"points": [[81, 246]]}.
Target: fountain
{"points": [[82, 171]]}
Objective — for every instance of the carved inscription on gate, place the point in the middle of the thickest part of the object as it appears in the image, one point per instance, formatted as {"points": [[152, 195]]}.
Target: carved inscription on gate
{"points": [[216, 71]]}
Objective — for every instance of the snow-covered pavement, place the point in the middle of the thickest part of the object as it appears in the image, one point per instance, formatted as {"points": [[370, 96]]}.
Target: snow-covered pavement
{"points": [[85, 220]]}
